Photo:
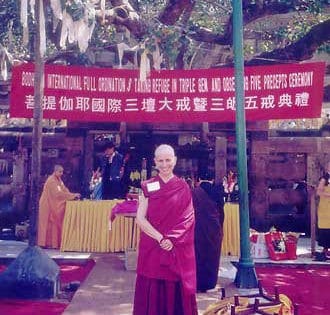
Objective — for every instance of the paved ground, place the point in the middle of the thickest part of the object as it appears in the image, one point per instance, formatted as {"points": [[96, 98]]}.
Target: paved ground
{"points": [[109, 288]]}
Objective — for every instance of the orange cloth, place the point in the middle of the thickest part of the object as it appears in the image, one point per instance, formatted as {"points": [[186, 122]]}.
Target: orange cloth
{"points": [[323, 211], [51, 212]]}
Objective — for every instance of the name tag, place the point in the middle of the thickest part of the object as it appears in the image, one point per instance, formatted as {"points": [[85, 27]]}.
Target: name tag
{"points": [[153, 186]]}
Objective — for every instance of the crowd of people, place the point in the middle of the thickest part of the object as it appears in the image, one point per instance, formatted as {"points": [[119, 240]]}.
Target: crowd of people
{"points": [[116, 174], [177, 223], [180, 223]]}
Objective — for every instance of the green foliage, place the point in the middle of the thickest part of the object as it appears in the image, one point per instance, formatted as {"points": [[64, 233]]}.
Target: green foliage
{"points": [[104, 35], [296, 28], [9, 13], [211, 15], [10, 21], [248, 50], [324, 48], [314, 6], [168, 39]]}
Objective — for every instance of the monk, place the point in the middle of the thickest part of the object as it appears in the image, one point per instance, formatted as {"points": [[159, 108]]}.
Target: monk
{"points": [[166, 271], [52, 209], [208, 201]]}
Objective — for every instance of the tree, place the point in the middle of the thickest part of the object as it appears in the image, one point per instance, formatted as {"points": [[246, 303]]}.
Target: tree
{"points": [[33, 274]]}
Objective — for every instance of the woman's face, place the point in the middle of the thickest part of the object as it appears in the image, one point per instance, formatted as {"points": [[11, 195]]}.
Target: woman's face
{"points": [[165, 163]]}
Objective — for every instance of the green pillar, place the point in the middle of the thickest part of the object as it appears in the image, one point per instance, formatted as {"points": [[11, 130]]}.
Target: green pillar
{"points": [[246, 275]]}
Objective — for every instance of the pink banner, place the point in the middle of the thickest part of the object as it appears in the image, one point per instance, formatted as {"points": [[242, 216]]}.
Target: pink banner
{"points": [[201, 95]]}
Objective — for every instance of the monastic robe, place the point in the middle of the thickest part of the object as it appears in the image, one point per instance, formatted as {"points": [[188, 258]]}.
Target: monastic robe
{"points": [[171, 212], [51, 212], [209, 216]]}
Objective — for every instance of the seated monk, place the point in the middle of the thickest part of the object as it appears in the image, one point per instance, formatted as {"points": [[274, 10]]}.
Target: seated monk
{"points": [[52, 209]]}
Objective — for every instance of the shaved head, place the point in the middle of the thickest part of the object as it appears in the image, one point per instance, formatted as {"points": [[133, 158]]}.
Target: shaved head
{"points": [[58, 171], [164, 149], [165, 161], [58, 167]]}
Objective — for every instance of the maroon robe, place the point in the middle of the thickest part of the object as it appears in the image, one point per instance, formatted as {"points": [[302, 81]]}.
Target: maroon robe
{"points": [[209, 214], [171, 212]]}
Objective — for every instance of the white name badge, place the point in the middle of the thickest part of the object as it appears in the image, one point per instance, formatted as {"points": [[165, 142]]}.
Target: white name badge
{"points": [[153, 186]]}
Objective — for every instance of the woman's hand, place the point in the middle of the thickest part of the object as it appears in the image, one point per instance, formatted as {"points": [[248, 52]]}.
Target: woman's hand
{"points": [[166, 244]]}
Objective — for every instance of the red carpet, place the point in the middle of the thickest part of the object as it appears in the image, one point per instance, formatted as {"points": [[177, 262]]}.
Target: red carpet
{"points": [[307, 286], [68, 273]]}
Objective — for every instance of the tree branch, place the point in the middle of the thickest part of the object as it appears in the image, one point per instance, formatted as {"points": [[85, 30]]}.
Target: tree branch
{"points": [[303, 49], [123, 14], [201, 34], [252, 10], [174, 10]]}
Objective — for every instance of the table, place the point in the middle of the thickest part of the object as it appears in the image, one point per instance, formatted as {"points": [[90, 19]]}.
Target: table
{"points": [[133, 227], [86, 228], [231, 231], [131, 252]]}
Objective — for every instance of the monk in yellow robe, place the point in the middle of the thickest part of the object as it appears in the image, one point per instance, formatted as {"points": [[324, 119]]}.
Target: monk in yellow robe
{"points": [[52, 209]]}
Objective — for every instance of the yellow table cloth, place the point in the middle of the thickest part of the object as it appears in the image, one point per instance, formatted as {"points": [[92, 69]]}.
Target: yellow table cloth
{"points": [[86, 228], [231, 231]]}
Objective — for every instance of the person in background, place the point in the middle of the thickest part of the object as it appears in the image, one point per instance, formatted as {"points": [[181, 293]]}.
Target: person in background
{"points": [[112, 171], [208, 201], [128, 166], [323, 212], [189, 181], [166, 277], [52, 209], [230, 185]]}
